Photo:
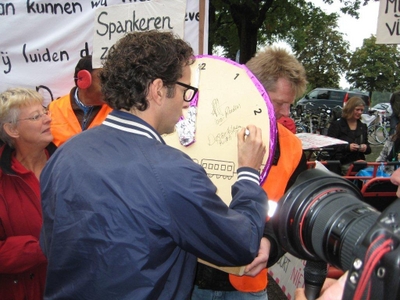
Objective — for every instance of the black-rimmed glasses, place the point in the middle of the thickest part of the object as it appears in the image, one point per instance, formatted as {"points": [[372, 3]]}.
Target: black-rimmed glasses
{"points": [[188, 94]]}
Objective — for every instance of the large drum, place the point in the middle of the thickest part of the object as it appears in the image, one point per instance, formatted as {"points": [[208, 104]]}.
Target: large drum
{"points": [[230, 97]]}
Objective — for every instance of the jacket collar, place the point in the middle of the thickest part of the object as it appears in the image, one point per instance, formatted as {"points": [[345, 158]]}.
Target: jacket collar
{"points": [[346, 128], [130, 123], [6, 155]]}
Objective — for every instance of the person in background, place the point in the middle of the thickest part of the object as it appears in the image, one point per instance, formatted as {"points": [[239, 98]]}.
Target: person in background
{"points": [[391, 150], [129, 220], [349, 128], [394, 118], [284, 78], [25, 130], [82, 108]]}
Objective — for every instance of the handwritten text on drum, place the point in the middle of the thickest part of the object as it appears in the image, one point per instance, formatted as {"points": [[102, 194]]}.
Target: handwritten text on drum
{"points": [[225, 136], [222, 113]]}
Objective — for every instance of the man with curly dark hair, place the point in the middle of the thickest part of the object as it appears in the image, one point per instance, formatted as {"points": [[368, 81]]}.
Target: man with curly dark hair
{"points": [[125, 215]]}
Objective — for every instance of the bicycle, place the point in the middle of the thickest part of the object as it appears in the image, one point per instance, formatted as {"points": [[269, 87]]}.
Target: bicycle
{"points": [[378, 127], [300, 120], [314, 120], [382, 131]]}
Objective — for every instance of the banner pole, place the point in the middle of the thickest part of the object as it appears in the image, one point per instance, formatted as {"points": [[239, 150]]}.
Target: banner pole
{"points": [[202, 14]]}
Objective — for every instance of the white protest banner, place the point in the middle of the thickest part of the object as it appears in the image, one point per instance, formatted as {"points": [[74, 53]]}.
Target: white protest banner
{"points": [[388, 30], [111, 23], [42, 41]]}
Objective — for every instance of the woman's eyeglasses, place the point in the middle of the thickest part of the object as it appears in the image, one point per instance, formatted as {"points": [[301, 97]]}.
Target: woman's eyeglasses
{"points": [[37, 116]]}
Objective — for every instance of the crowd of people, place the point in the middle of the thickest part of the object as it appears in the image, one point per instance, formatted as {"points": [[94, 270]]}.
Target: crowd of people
{"points": [[95, 205]]}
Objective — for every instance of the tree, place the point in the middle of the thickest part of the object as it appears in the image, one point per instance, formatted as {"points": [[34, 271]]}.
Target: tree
{"points": [[375, 67], [235, 25], [257, 20], [320, 47]]}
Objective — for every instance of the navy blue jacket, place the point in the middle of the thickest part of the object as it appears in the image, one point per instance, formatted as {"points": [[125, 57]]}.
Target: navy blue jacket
{"points": [[125, 216]]}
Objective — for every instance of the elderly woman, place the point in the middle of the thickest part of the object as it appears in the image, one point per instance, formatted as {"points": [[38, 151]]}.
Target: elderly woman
{"points": [[349, 128], [25, 130]]}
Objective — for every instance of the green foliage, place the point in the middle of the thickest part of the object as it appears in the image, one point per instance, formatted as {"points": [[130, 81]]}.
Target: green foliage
{"points": [[374, 67], [243, 25], [314, 38], [320, 47], [379, 97]]}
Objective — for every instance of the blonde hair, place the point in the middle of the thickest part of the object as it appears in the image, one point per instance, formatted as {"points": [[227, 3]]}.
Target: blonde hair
{"points": [[273, 63], [351, 104], [11, 101]]}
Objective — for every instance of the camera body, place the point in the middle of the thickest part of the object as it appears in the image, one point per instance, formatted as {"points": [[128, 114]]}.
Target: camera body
{"points": [[384, 277], [322, 218]]}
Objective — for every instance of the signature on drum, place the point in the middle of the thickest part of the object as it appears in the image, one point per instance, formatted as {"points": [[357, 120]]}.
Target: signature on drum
{"points": [[222, 114], [224, 137]]}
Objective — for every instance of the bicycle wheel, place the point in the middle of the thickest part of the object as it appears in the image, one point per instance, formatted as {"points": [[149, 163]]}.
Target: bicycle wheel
{"points": [[372, 136], [381, 134]]}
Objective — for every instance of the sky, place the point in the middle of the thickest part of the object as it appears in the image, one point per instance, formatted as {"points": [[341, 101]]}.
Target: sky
{"points": [[354, 30]]}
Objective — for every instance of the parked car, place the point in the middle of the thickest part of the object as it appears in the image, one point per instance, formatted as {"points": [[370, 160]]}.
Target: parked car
{"points": [[384, 106], [329, 97]]}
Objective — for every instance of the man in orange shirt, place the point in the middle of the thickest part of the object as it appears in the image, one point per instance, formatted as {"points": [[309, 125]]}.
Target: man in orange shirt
{"points": [[82, 108]]}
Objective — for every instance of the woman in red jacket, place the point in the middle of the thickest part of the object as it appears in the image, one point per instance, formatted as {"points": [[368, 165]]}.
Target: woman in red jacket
{"points": [[25, 130]]}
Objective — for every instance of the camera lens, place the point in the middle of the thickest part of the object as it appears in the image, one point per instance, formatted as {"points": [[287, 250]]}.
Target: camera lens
{"points": [[322, 217]]}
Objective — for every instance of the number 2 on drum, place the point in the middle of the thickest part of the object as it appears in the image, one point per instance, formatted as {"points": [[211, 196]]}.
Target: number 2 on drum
{"points": [[258, 111]]}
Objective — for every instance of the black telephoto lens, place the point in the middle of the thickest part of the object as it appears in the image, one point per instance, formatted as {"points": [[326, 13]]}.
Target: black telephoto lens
{"points": [[322, 217]]}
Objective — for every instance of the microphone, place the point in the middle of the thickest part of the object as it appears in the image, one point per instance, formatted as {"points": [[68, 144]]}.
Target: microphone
{"points": [[314, 277]]}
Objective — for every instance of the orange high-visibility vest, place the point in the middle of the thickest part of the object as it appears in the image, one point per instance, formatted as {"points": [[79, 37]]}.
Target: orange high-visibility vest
{"points": [[275, 185], [64, 123]]}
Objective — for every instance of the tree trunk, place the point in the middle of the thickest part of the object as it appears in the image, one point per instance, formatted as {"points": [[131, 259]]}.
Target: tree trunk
{"points": [[248, 41], [248, 20]]}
